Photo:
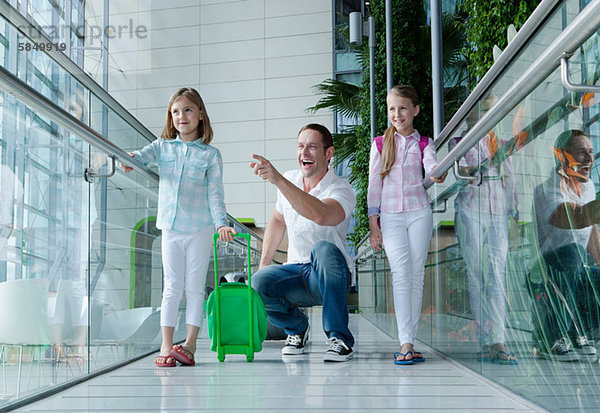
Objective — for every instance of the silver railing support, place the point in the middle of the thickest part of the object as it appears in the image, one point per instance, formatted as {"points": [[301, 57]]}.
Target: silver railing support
{"points": [[564, 77], [89, 173]]}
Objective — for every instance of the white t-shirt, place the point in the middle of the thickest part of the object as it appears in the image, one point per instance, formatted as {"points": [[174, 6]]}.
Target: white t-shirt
{"points": [[304, 233], [547, 197]]}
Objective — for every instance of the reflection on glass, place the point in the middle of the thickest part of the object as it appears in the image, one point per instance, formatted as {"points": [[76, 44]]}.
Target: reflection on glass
{"points": [[569, 243], [539, 293], [483, 212], [68, 294], [11, 189]]}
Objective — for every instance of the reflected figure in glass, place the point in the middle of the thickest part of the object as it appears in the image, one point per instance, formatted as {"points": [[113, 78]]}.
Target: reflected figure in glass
{"points": [[11, 189], [68, 294], [565, 280], [486, 219]]}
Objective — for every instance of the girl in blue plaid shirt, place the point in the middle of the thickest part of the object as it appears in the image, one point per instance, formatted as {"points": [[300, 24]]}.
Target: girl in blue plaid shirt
{"points": [[190, 204]]}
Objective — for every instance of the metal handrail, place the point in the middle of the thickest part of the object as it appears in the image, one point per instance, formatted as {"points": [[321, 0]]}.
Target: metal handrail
{"points": [[584, 25], [564, 77], [31, 98], [44, 106], [535, 21], [33, 32]]}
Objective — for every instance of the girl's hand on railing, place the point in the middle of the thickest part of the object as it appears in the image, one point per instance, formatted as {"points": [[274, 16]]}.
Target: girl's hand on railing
{"points": [[440, 179], [126, 168], [226, 233]]}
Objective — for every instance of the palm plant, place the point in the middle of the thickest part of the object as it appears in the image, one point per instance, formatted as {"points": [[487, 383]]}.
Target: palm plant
{"points": [[345, 98]]}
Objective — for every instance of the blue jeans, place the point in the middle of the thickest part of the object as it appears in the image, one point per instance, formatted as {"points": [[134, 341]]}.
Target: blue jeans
{"points": [[579, 284], [325, 281]]}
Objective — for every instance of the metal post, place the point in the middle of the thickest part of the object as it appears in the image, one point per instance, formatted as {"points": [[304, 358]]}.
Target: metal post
{"points": [[438, 108], [388, 43], [437, 69], [103, 182], [372, 73]]}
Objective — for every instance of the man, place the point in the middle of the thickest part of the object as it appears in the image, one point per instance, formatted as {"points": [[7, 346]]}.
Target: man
{"points": [[566, 212], [314, 206]]}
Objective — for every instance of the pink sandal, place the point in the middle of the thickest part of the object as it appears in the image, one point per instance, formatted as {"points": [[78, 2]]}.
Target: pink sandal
{"points": [[164, 361], [183, 355]]}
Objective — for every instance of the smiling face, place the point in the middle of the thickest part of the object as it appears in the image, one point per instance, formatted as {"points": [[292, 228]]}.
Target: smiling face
{"points": [[313, 158], [186, 118], [401, 112], [582, 150]]}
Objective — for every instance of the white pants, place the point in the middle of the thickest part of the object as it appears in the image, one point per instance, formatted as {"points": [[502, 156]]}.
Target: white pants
{"points": [[483, 240], [406, 237], [185, 260]]}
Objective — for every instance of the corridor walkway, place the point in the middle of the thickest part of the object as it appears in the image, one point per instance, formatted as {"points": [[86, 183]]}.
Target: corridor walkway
{"points": [[370, 382]]}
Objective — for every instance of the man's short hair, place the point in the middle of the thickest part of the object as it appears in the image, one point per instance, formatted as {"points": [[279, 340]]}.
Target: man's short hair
{"points": [[563, 141], [323, 131]]}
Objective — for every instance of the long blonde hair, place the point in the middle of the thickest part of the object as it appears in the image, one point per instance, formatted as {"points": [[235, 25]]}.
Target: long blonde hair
{"points": [[388, 150], [204, 130]]}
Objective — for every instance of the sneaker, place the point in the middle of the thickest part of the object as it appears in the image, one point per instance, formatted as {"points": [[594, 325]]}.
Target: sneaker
{"points": [[338, 350], [294, 344], [561, 350], [585, 349]]}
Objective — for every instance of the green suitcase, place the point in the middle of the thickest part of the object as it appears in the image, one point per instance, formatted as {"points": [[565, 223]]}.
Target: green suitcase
{"points": [[237, 320]]}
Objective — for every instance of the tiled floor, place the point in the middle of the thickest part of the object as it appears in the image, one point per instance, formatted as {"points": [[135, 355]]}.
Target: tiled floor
{"points": [[370, 382]]}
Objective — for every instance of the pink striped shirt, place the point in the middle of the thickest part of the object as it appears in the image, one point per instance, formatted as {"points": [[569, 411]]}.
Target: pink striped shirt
{"points": [[493, 196], [402, 190]]}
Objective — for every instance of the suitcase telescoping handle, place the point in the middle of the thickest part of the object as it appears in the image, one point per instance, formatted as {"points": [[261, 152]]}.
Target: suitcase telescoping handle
{"points": [[240, 235]]}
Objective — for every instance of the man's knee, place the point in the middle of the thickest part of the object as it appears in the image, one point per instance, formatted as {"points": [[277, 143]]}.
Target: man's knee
{"points": [[325, 249], [263, 279]]}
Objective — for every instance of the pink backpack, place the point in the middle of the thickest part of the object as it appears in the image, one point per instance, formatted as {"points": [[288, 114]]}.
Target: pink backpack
{"points": [[423, 142]]}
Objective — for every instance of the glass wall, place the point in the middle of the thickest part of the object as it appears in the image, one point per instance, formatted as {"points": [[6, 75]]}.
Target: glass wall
{"points": [[511, 282], [66, 257], [80, 259]]}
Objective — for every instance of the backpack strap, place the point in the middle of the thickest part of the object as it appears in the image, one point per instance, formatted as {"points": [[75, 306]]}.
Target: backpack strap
{"points": [[379, 142], [423, 142]]}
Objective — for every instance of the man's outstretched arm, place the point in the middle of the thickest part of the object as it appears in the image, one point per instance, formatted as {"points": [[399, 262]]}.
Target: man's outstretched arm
{"points": [[572, 216], [322, 212], [272, 238]]}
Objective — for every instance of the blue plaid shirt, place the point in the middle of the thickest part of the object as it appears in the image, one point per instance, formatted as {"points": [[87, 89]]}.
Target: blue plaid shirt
{"points": [[190, 192]]}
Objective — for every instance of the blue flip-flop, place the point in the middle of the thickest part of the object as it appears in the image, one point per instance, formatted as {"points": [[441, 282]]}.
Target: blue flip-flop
{"points": [[483, 356], [404, 362], [416, 358], [507, 361]]}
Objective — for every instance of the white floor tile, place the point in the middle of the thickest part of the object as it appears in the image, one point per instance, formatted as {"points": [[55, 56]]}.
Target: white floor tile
{"points": [[370, 382]]}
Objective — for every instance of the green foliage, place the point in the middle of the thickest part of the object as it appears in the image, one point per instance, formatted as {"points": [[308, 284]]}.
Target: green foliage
{"points": [[412, 65], [486, 25], [339, 96], [454, 62]]}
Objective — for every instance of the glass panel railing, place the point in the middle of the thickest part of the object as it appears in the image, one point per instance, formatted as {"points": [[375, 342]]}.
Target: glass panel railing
{"points": [[87, 254], [63, 280], [83, 258], [125, 277], [532, 39], [81, 275], [40, 63], [508, 271]]}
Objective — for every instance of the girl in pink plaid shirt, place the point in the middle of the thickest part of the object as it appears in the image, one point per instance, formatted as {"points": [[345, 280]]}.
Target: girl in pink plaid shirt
{"points": [[398, 200]]}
